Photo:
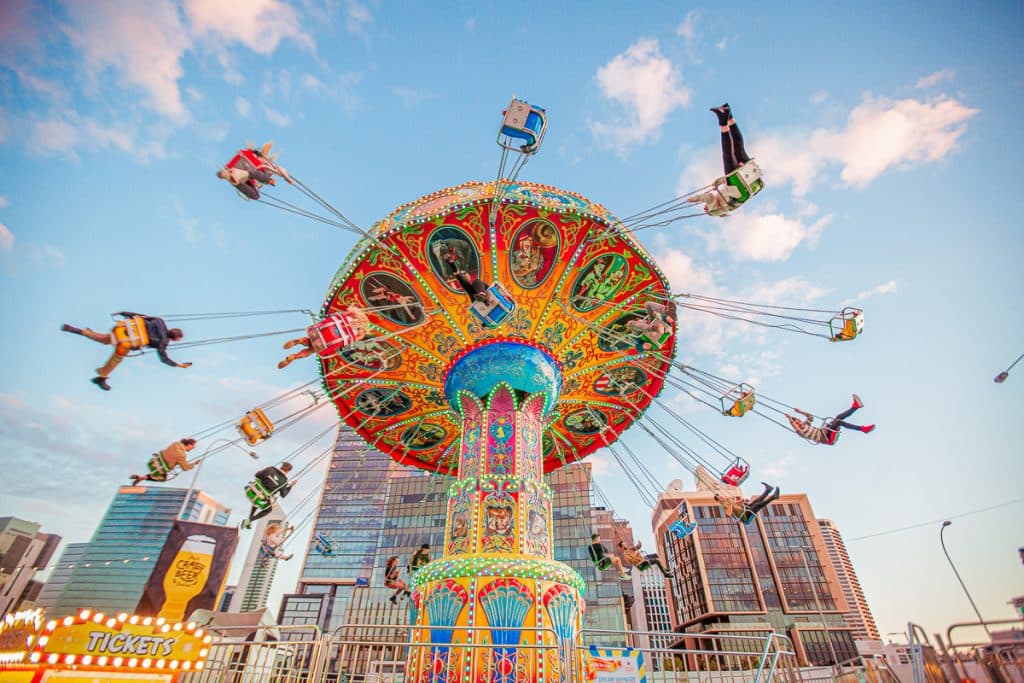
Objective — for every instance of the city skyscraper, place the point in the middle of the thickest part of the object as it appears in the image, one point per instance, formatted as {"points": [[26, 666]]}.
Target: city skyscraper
{"points": [[772, 574], [372, 508], [113, 570], [859, 617], [24, 549], [258, 570], [59, 575]]}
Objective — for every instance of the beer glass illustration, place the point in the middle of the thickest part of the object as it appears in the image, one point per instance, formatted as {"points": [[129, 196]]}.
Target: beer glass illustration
{"points": [[187, 575]]}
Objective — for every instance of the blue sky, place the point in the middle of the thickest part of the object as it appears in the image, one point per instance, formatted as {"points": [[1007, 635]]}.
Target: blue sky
{"points": [[885, 133]]}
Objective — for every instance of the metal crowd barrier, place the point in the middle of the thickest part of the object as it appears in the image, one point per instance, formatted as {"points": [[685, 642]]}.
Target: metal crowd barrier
{"points": [[979, 657], [375, 653]]}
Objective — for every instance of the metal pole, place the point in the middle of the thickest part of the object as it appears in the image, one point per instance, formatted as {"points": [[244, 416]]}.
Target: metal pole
{"points": [[817, 602], [195, 475], [942, 541]]}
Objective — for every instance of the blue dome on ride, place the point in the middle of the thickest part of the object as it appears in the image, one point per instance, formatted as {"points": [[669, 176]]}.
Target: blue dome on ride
{"points": [[522, 366]]}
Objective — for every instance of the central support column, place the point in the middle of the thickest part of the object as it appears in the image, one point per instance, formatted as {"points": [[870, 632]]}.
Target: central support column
{"points": [[497, 585]]}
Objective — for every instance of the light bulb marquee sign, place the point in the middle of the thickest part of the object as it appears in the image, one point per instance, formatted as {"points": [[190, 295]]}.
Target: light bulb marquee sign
{"points": [[121, 646]]}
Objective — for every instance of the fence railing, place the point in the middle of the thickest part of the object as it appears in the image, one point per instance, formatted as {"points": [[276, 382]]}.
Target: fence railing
{"points": [[365, 653], [972, 653]]}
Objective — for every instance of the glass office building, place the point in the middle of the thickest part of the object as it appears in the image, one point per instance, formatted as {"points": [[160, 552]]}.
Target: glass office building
{"points": [[772, 574], [62, 570], [112, 572], [373, 508]]}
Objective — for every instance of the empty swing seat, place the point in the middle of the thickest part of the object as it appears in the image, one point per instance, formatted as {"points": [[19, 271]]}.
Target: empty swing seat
{"points": [[333, 333], [737, 473], [742, 399], [130, 335], [494, 312], [847, 325], [258, 495], [682, 529], [255, 426], [324, 545], [526, 122]]}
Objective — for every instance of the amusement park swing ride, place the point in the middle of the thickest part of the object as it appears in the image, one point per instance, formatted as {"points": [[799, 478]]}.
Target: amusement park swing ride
{"points": [[495, 332]]}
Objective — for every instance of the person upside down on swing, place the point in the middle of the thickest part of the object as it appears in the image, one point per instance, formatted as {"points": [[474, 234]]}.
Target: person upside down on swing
{"points": [[829, 432]]}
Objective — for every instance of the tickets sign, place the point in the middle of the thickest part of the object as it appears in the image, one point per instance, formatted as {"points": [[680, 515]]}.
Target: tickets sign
{"points": [[123, 640]]}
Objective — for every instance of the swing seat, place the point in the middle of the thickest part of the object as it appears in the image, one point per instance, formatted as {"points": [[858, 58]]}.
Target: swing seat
{"points": [[742, 399], [494, 314], [523, 121], [324, 545], [258, 495], [130, 335], [603, 563], [747, 517], [737, 473], [643, 566], [747, 181], [255, 426], [248, 160], [333, 333], [158, 467], [847, 325], [682, 529]]}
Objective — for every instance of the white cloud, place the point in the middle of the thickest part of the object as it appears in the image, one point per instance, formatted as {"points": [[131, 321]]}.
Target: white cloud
{"points": [[889, 287], [141, 42], [3, 202], [276, 117], [6, 238], [648, 87], [357, 17], [409, 97], [791, 291], [763, 235], [931, 80], [260, 25], [469, 24], [722, 44], [47, 254], [882, 134], [683, 274], [687, 30], [312, 82], [73, 133], [242, 106], [194, 94], [778, 468], [818, 97]]}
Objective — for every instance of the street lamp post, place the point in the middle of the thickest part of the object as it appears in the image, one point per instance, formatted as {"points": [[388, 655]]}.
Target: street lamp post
{"points": [[942, 541], [1001, 377], [817, 603], [201, 459]]}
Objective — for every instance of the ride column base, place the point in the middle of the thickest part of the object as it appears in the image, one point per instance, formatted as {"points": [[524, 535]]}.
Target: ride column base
{"points": [[497, 585]]}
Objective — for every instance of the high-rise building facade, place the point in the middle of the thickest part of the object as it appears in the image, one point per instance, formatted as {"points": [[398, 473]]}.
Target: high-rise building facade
{"points": [[859, 617], [771, 575], [259, 568], [351, 517], [372, 508], [114, 569], [24, 549], [59, 575]]}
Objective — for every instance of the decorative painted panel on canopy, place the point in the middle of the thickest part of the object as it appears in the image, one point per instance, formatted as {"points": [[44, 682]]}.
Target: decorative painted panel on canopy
{"points": [[580, 289]]}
